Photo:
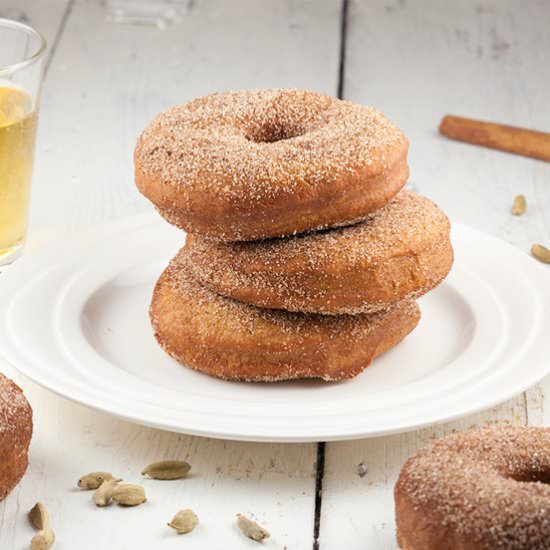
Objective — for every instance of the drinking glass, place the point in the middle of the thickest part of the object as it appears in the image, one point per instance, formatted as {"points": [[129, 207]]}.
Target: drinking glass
{"points": [[21, 63]]}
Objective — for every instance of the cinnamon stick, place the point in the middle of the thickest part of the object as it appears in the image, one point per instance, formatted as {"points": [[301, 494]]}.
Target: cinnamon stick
{"points": [[521, 141]]}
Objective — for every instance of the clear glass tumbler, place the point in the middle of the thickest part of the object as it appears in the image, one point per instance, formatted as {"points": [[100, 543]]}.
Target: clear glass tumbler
{"points": [[21, 66]]}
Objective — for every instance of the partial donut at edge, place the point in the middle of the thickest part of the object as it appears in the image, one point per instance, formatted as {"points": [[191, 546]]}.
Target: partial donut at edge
{"points": [[15, 435], [485, 489]]}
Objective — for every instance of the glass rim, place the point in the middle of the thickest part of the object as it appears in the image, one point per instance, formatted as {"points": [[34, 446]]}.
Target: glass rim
{"points": [[35, 56]]}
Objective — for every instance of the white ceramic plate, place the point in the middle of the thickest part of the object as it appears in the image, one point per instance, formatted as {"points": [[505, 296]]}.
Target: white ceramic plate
{"points": [[74, 318]]}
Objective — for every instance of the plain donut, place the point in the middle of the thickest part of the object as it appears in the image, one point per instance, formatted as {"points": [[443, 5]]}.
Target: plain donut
{"points": [[399, 252], [262, 163], [234, 341], [486, 489]]}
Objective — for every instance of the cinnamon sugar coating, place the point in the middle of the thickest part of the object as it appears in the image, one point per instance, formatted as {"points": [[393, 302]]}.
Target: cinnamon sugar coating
{"points": [[262, 163], [15, 434], [235, 341], [486, 489], [399, 252]]}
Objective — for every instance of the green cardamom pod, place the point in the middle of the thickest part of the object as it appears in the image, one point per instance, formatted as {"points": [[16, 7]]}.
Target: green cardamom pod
{"points": [[39, 516], [541, 253], [167, 469], [251, 529], [520, 205], [43, 540], [127, 494], [93, 480], [184, 521], [104, 493]]}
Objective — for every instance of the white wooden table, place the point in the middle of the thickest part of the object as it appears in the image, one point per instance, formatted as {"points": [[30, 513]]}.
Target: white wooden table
{"points": [[416, 61]]}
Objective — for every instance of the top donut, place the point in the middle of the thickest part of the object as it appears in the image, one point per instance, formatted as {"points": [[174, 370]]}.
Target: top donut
{"points": [[266, 163]]}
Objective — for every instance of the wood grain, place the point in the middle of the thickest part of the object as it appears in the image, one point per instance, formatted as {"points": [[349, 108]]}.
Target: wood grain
{"points": [[45, 17]]}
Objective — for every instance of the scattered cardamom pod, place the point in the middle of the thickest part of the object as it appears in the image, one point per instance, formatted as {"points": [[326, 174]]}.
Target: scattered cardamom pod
{"points": [[39, 517], [541, 253], [93, 480], [167, 469], [520, 205], [184, 521], [251, 529], [127, 494], [43, 540], [104, 493]]}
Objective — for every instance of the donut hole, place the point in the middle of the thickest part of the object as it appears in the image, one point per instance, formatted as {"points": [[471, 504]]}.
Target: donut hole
{"points": [[273, 132], [541, 476]]}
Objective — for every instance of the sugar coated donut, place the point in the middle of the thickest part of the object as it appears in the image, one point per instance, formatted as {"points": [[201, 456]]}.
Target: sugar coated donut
{"points": [[15, 434], [399, 252], [247, 165], [487, 489], [235, 341]]}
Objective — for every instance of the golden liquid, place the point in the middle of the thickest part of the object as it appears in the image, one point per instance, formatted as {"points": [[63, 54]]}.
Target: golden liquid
{"points": [[17, 136]]}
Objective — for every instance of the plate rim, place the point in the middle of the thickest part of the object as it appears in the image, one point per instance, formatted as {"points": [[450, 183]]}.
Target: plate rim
{"points": [[120, 226]]}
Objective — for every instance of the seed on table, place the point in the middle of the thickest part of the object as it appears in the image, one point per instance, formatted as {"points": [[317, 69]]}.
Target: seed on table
{"points": [[167, 469], [43, 540], [251, 529], [38, 516], [541, 253], [128, 494], [93, 480], [102, 496], [520, 205], [184, 521]]}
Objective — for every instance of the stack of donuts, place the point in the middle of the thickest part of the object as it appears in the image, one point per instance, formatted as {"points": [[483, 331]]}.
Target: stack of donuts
{"points": [[304, 256]]}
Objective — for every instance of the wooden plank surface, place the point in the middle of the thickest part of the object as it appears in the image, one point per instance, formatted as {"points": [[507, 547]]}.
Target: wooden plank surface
{"points": [[45, 17], [418, 61], [105, 82]]}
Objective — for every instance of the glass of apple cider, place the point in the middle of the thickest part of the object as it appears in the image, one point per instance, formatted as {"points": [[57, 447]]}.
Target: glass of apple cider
{"points": [[21, 59]]}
